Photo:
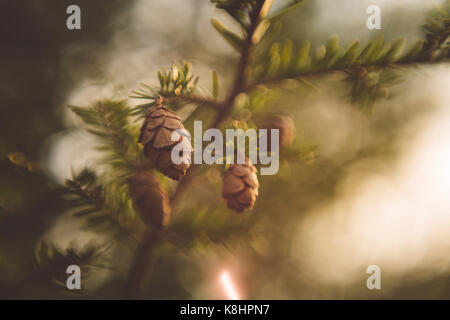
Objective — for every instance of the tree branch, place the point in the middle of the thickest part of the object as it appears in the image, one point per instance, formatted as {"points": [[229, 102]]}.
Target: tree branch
{"points": [[214, 103], [141, 261], [143, 254], [276, 80], [243, 68], [239, 85]]}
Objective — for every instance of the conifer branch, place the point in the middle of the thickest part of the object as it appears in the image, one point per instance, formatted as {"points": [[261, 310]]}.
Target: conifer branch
{"points": [[200, 100], [239, 85], [176, 86], [101, 205], [245, 61], [251, 14], [367, 68], [138, 269], [108, 120], [49, 264], [276, 80]]}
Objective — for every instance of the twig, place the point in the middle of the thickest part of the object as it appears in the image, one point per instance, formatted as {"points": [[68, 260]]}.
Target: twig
{"points": [[214, 103], [141, 261], [276, 80], [243, 69]]}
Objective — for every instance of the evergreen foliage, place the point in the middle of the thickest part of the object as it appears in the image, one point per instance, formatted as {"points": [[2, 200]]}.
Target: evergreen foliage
{"points": [[102, 197]]}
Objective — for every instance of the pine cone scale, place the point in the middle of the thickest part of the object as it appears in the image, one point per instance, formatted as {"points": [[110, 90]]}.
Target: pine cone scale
{"points": [[156, 136], [163, 138], [146, 138], [156, 122], [240, 186], [163, 112], [251, 180], [232, 185], [171, 123], [246, 197]]}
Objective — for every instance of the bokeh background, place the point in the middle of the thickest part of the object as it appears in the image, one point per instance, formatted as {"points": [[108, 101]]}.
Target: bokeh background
{"points": [[375, 190]]}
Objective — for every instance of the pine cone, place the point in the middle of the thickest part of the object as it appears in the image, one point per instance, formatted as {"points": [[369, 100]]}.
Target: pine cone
{"points": [[240, 186], [156, 134], [286, 127], [149, 199]]}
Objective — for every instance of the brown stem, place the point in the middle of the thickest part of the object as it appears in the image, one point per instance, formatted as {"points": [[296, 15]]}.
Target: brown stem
{"points": [[213, 103], [313, 73], [243, 68], [140, 263]]}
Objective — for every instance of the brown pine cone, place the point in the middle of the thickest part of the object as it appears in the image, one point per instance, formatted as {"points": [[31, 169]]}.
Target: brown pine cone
{"points": [[286, 127], [149, 199], [240, 186], [156, 134]]}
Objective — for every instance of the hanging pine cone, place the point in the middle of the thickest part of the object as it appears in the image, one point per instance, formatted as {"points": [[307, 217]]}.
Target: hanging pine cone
{"points": [[286, 127], [149, 199], [240, 186], [156, 134]]}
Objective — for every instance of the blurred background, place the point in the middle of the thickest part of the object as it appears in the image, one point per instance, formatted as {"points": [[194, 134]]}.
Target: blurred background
{"points": [[374, 190]]}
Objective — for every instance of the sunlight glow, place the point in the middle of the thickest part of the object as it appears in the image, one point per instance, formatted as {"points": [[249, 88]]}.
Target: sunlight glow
{"points": [[228, 286]]}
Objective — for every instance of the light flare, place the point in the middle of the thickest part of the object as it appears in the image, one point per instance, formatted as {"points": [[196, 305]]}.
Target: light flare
{"points": [[229, 286]]}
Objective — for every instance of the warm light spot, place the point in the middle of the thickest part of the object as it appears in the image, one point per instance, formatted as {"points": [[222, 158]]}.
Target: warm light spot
{"points": [[228, 286]]}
